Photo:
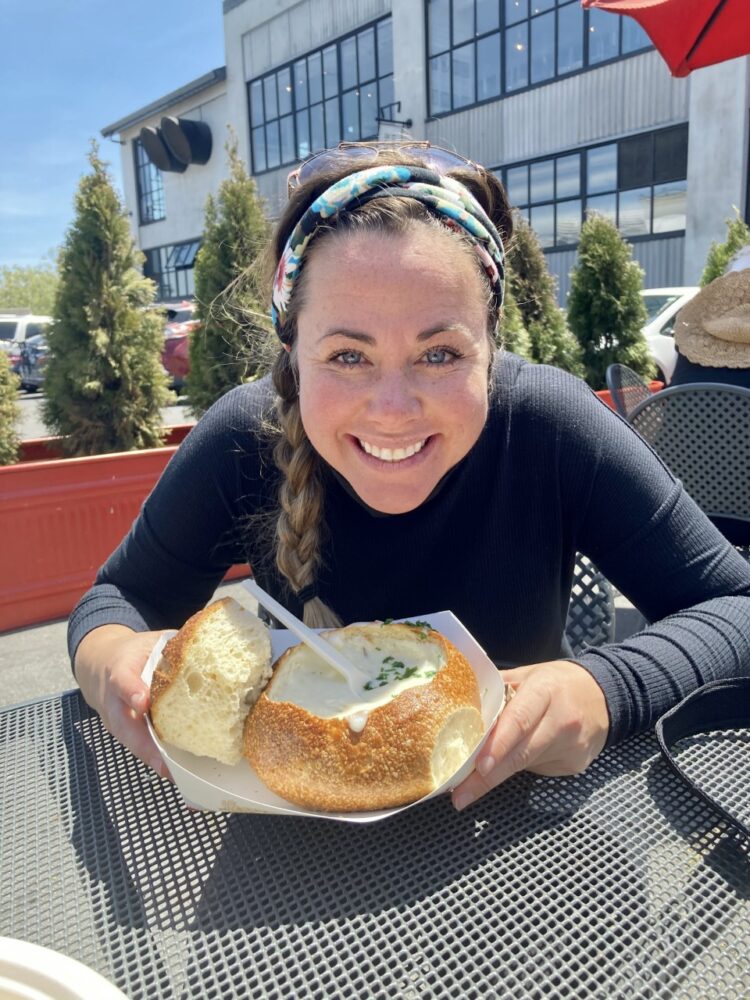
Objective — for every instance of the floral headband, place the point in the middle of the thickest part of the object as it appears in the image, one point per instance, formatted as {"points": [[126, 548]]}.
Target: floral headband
{"points": [[446, 197]]}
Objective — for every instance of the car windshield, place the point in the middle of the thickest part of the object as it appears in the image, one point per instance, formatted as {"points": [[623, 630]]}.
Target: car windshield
{"points": [[8, 330], [656, 304]]}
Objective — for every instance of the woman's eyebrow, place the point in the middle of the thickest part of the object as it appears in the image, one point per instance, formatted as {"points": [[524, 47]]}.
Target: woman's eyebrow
{"points": [[366, 338]]}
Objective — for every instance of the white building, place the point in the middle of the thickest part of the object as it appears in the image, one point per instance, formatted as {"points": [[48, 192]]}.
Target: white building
{"points": [[573, 108]]}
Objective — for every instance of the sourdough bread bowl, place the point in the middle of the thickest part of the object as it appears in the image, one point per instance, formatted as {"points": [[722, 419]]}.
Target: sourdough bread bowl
{"points": [[209, 675], [317, 743]]}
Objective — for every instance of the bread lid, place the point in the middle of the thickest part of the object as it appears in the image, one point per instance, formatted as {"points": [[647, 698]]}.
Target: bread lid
{"points": [[207, 784]]}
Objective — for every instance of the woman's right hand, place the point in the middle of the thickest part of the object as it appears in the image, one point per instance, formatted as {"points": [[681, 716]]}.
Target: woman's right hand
{"points": [[108, 666]]}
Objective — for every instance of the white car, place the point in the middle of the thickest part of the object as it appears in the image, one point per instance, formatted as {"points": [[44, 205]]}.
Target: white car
{"points": [[662, 305], [17, 325]]}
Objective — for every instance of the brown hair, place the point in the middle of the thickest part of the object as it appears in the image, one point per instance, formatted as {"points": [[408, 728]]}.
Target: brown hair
{"points": [[301, 496]]}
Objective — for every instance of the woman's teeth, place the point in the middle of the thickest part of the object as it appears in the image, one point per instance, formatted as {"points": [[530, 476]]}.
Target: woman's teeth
{"points": [[392, 454]]}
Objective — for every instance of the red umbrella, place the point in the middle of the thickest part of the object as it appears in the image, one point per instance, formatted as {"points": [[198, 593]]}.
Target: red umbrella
{"points": [[689, 33]]}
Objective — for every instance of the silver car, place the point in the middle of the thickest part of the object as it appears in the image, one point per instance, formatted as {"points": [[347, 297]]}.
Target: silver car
{"points": [[663, 305]]}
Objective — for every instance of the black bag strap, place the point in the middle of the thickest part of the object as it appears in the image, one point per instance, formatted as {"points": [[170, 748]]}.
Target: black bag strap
{"points": [[719, 705]]}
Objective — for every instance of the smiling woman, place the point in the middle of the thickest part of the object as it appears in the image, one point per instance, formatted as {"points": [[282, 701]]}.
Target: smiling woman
{"points": [[397, 462]]}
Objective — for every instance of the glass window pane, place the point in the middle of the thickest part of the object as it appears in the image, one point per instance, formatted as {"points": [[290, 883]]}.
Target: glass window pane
{"points": [[568, 221], [463, 76], [269, 91], [284, 78], [273, 146], [259, 149], [349, 63], [303, 135], [542, 218], [368, 110], [488, 16], [386, 96], [366, 54], [670, 207], [256, 102], [568, 176], [488, 67], [330, 71], [635, 161], [538, 6], [300, 84], [635, 212], [604, 35], [463, 21], [350, 108], [288, 152], [385, 47], [438, 13], [333, 127], [569, 38], [516, 57], [633, 36], [601, 169], [440, 84], [317, 133], [517, 185], [542, 181], [604, 204], [516, 10], [315, 77], [542, 47], [670, 154]]}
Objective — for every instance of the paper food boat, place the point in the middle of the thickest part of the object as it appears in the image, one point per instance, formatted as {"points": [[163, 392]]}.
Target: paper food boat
{"points": [[205, 783]]}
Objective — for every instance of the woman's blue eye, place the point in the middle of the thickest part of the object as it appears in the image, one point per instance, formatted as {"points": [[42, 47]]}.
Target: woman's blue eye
{"points": [[348, 357], [439, 355]]}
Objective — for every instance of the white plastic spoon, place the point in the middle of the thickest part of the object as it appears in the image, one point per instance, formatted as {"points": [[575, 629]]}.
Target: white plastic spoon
{"points": [[355, 677]]}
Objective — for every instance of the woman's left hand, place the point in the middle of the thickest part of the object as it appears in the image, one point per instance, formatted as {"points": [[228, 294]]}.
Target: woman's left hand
{"points": [[556, 723]]}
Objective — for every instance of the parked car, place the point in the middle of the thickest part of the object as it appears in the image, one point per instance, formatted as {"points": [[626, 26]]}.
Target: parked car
{"points": [[29, 361], [180, 324], [663, 305], [17, 325]]}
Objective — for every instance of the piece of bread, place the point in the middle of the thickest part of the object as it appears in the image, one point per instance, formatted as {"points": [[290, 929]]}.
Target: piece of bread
{"points": [[208, 676], [314, 742]]}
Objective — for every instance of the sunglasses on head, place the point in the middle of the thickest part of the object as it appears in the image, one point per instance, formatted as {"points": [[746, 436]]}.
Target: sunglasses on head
{"points": [[422, 151]]}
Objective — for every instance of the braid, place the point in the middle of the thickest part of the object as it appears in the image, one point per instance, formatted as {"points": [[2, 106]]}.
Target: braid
{"points": [[300, 497]]}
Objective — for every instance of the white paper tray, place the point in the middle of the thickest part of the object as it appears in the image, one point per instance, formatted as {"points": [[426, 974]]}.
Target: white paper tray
{"points": [[205, 783]]}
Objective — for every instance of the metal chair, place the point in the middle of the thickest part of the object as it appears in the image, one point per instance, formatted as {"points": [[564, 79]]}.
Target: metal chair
{"points": [[702, 433], [627, 388], [591, 612]]}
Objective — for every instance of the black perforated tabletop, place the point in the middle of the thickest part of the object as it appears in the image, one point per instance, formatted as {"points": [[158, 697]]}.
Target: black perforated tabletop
{"points": [[614, 884]]}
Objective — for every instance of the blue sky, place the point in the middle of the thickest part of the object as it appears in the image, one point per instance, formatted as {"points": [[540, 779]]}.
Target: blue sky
{"points": [[68, 68]]}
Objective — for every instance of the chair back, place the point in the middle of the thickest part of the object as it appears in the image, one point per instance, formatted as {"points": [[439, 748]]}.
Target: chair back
{"points": [[627, 388], [702, 434], [591, 612]]}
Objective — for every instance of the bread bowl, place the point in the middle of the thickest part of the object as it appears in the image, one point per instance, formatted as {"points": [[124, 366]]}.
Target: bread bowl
{"points": [[314, 742], [208, 676]]}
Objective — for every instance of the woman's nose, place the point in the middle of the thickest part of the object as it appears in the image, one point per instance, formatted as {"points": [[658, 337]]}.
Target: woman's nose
{"points": [[394, 394]]}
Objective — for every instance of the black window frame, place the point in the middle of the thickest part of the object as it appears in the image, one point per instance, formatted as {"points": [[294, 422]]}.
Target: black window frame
{"points": [[319, 114], [504, 26], [171, 266], [149, 185], [584, 194]]}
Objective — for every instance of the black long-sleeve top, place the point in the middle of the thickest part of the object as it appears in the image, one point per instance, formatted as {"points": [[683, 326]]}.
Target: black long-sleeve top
{"points": [[554, 472]]}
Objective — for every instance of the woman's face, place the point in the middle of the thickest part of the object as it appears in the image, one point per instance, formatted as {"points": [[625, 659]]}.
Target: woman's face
{"points": [[393, 356]]}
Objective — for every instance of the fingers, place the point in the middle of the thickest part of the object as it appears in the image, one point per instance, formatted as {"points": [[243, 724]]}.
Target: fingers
{"points": [[129, 728]]}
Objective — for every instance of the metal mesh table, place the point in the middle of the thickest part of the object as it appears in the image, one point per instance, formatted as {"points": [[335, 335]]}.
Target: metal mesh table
{"points": [[614, 884]]}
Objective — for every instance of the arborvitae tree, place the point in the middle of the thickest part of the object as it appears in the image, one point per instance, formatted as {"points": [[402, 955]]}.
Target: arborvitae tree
{"points": [[512, 334], [605, 308], [104, 383], [226, 348], [10, 411], [535, 291], [738, 235]]}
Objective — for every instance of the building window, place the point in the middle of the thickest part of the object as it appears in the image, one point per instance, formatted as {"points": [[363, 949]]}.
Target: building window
{"points": [[171, 267], [327, 96], [149, 185], [639, 183], [480, 50]]}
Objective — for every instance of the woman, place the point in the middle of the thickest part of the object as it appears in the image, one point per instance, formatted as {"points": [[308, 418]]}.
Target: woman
{"points": [[415, 468]]}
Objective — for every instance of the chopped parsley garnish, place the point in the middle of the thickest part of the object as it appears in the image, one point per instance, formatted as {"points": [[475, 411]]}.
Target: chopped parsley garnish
{"points": [[396, 670]]}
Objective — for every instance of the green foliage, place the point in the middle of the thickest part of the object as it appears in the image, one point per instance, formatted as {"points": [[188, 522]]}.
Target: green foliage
{"points": [[605, 308], [226, 349], [738, 235], [9, 412], [31, 288], [512, 334], [535, 291], [104, 383]]}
